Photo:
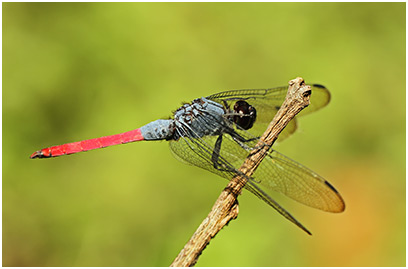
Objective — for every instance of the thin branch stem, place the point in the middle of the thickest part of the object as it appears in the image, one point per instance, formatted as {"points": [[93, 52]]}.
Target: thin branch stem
{"points": [[225, 208]]}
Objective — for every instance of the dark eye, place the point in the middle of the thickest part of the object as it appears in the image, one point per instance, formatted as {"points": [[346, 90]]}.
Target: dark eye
{"points": [[245, 115]]}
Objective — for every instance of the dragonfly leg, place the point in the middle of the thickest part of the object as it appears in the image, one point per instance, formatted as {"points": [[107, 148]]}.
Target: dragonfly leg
{"points": [[241, 141], [218, 162], [216, 154]]}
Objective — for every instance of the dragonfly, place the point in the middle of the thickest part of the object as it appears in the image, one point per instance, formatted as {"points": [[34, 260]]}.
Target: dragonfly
{"points": [[218, 132]]}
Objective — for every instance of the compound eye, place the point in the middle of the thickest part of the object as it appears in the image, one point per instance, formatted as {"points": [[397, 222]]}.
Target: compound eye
{"points": [[245, 115]]}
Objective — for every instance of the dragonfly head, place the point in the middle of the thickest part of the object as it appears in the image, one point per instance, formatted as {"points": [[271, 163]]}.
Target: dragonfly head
{"points": [[244, 115]]}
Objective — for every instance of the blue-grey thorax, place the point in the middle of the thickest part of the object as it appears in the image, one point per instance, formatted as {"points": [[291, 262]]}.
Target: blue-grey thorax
{"points": [[200, 118]]}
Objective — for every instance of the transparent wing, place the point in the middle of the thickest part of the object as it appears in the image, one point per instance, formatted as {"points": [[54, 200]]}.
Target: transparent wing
{"points": [[198, 152], [276, 172], [279, 173], [267, 103], [258, 192]]}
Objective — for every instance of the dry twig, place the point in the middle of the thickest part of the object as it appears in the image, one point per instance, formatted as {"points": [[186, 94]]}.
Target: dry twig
{"points": [[225, 208]]}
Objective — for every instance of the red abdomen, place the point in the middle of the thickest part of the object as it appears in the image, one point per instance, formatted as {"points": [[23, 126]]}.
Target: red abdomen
{"points": [[85, 145]]}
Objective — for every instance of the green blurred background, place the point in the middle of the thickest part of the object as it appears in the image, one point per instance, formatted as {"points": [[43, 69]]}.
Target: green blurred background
{"points": [[73, 71]]}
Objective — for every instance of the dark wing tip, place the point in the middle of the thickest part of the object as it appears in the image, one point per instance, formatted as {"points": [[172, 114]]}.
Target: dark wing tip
{"points": [[324, 89], [318, 86], [330, 186], [341, 205]]}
